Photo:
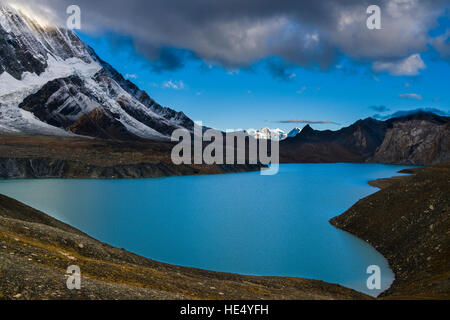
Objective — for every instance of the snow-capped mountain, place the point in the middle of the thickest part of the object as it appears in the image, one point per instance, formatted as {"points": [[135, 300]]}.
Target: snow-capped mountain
{"points": [[267, 133], [52, 83], [294, 132]]}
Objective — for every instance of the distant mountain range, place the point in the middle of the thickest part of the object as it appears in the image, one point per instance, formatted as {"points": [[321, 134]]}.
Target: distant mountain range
{"points": [[420, 138], [266, 134], [51, 83], [273, 134]]}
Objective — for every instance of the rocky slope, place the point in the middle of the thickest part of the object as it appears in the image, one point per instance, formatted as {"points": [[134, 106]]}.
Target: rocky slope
{"points": [[69, 157], [35, 251], [422, 138], [351, 144], [408, 221], [51, 83], [415, 142]]}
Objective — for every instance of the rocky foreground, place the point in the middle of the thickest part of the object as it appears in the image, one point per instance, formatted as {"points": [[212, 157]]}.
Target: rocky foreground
{"points": [[35, 251], [408, 221]]}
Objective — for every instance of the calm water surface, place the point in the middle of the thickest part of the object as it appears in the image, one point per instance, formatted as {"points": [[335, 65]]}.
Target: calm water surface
{"points": [[241, 223]]}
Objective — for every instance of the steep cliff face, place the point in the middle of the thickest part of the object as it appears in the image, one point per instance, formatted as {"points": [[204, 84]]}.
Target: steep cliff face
{"points": [[75, 157], [13, 168], [18, 168], [415, 142]]}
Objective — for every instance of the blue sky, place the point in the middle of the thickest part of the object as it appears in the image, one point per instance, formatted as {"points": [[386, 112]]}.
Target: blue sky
{"points": [[252, 98]]}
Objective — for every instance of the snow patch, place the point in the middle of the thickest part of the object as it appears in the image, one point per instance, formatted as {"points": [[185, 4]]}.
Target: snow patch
{"points": [[17, 90], [4, 21], [266, 134], [13, 92]]}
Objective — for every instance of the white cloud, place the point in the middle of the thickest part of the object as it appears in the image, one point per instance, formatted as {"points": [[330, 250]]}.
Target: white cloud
{"points": [[131, 76], [413, 96], [176, 85], [409, 66], [302, 90], [233, 72]]}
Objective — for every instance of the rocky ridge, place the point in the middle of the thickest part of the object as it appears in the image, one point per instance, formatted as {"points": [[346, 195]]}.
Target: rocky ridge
{"points": [[422, 138]]}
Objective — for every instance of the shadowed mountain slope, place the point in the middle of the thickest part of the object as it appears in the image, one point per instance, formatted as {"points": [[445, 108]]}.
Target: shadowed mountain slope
{"points": [[421, 138]]}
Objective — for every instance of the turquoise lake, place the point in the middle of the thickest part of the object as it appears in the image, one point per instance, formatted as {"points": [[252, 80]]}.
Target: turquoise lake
{"points": [[241, 223]]}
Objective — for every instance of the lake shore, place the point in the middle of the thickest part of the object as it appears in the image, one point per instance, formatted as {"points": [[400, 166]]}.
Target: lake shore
{"points": [[414, 240], [408, 221], [36, 249], [77, 157]]}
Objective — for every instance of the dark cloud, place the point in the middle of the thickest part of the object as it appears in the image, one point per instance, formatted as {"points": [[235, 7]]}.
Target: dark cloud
{"points": [[279, 69], [157, 59], [379, 108], [410, 112], [442, 45], [169, 59], [236, 33]]}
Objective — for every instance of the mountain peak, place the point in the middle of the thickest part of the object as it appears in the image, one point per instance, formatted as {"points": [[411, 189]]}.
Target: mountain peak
{"points": [[294, 132], [11, 12], [267, 133], [49, 80]]}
